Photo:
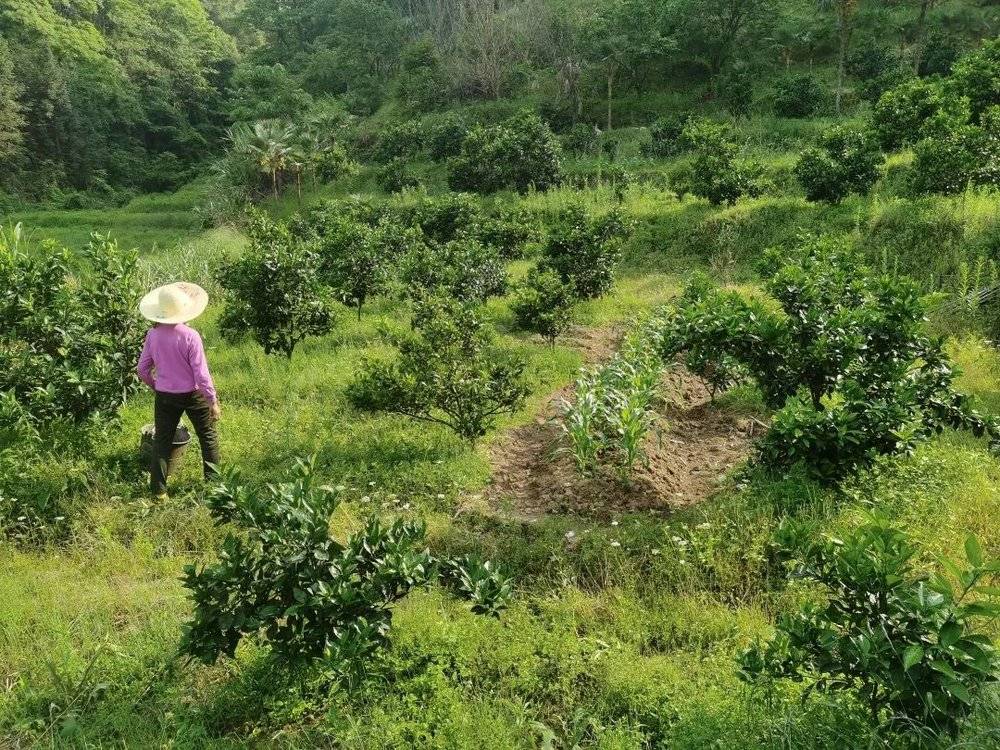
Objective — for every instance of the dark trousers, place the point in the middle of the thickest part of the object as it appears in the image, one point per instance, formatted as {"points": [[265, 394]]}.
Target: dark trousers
{"points": [[167, 412]]}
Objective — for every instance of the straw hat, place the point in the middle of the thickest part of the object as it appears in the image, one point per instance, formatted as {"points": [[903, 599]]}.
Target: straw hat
{"points": [[174, 303]]}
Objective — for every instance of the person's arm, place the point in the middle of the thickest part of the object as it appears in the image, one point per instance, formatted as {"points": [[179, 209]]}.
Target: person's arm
{"points": [[199, 366], [145, 367]]}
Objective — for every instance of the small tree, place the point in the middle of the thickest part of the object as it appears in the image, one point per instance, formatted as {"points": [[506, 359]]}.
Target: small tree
{"points": [[446, 136], [900, 114], [283, 579], [717, 172], [543, 304], [736, 90], [356, 259], [463, 269], [667, 136], [449, 371], [585, 250], [518, 154], [68, 339], [798, 96], [846, 161], [904, 644], [275, 290], [976, 76]]}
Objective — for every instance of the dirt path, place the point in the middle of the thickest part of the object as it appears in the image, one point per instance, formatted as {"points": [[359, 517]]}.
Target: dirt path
{"points": [[693, 445]]}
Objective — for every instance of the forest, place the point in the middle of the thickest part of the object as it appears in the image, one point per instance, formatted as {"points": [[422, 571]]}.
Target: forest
{"points": [[588, 374]]}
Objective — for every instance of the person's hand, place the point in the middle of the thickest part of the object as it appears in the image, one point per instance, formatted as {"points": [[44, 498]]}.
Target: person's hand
{"points": [[216, 412]]}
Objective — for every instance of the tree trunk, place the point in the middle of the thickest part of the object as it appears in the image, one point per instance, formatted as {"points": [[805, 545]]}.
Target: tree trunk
{"points": [[274, 182], [918, 45], [611, 83], [841, 65]]}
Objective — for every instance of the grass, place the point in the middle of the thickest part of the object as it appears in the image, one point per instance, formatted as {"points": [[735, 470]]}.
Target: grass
{"points": [[623, 634]]}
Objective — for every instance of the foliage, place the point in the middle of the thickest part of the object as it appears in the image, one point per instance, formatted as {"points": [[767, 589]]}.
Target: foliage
{"points": [[583, 139], [129, 94], [904, 644], [717, 172], [463, 269], [356, 259], [543, 304], [394, 177], [736, 90], [68, 336], [954, 156], [446, 137], [844, 361], [401, 141], [282, 577], [846, 161], [449, 371], [275, 290], [666, 135], [976, 76], [798, 96], [585, 249], [519, 154], [612, 408], [422, 84], [901, 113], [508, 231]]}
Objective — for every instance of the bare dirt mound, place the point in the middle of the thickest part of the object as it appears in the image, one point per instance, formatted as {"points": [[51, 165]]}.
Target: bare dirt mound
{"points": [[693, 445]]}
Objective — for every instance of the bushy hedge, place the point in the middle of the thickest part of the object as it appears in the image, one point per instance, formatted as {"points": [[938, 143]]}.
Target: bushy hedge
{"points": [[518, 154], [846, 161]]}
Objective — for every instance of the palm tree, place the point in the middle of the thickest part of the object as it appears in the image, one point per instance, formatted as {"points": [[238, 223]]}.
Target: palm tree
{"points": [[269, 142]]}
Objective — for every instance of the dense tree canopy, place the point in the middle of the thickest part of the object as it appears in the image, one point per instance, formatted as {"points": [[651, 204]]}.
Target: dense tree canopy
{"points": [[98, 95]]}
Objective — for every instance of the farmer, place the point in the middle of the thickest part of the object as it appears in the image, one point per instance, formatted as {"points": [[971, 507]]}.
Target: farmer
{"points": [[173, 365]]}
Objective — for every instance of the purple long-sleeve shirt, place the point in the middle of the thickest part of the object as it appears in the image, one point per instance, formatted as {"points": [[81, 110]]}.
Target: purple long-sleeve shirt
{"points": [[177, 355]]}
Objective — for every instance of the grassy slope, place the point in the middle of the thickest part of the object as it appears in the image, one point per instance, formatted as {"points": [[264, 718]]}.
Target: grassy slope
{"points": [[614, 646]]}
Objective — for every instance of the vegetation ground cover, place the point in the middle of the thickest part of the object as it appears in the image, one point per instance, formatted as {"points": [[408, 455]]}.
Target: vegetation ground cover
{"points": [[633, 617]]}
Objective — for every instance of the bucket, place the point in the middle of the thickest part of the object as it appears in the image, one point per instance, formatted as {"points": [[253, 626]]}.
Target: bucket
{"points": [[181, 439]]}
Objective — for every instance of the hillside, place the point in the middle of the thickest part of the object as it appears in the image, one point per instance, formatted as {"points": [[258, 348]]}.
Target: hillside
{"points": [[612, 375]]}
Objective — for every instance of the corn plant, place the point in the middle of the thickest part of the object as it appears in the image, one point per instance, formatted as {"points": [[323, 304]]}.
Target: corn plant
{"points": [[612, 412]]}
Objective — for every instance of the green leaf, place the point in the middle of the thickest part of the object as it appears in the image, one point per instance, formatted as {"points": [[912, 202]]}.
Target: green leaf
{"points": [[911, 656], [973, 551], [951, 631]]}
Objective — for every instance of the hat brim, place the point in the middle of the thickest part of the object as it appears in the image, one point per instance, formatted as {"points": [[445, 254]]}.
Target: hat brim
{"points": [[197, 301]]}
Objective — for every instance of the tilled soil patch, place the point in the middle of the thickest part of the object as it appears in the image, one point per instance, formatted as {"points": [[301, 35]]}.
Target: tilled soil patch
{"points": [[694, 444]]}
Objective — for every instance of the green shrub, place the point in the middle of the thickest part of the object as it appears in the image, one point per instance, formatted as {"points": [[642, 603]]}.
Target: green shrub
{"points": [[507, 230], [845, 360], [449, 371], [402, 141], [543, 304], [717, 172], [446, 137], [356, 260], [583, 139], [976, 76], [68, 338], [941, 50], [846, 161], [900, 114], [798, 96], [736, 90], [443, 218], [520, 153], [954, 156], [585, 250], [333, 163], [394, 177], [423, 84], [666, 136], [903, 644], [463, 269], [282, 578], [275, 289]]}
